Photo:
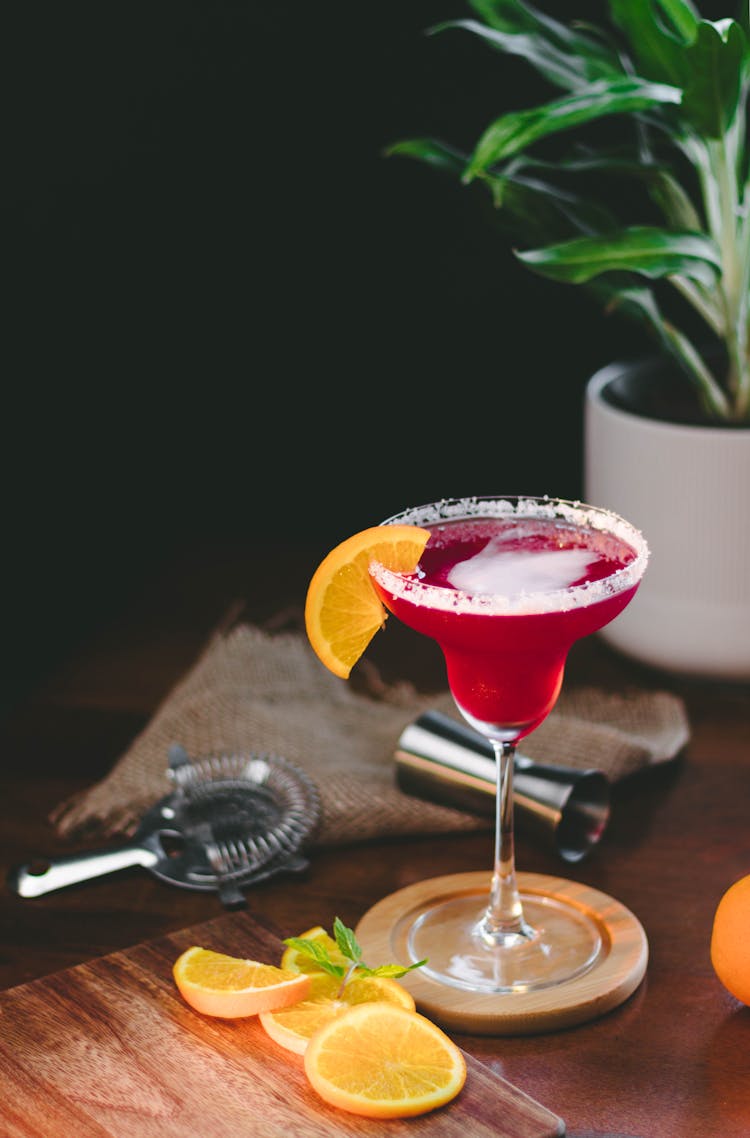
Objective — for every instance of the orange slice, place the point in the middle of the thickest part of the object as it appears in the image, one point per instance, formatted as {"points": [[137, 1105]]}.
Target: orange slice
{"points": [[229, 987], [293, 1027], [300, 962], [383, 1061], [342, 610]]}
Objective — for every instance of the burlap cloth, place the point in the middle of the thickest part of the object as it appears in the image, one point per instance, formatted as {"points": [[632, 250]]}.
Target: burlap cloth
{"points": [[251, 690]]}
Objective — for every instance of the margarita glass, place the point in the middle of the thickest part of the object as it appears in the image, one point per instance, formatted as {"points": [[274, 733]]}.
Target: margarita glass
{"points": [[506, 586]]}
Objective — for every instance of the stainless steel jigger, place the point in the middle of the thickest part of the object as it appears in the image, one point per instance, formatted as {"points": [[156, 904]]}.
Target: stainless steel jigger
{"points": [[444, 761]]}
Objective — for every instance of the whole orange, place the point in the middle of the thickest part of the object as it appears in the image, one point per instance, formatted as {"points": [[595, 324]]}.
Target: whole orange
{"points": [[730, 940]]}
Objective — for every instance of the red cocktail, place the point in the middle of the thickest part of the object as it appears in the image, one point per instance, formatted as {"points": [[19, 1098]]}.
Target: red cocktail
{"points": [[506, 598], [506, 586]]}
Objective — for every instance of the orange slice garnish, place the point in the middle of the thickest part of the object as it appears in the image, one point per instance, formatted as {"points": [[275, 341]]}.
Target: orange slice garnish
{"points": [[342, 610]]}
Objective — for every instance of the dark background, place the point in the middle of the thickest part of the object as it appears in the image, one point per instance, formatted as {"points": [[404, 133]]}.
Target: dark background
{"points": [[231, 318]]}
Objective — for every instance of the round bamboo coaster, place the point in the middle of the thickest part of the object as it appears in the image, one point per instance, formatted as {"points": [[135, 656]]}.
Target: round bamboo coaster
{"points": [[612, 978]]}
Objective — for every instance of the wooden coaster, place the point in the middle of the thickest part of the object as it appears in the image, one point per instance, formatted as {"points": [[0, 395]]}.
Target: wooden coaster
{"points": [[613, 977]]}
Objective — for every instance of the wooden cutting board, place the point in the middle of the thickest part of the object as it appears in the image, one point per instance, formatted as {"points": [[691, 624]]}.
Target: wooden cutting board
{"points": [[110, 1050]]}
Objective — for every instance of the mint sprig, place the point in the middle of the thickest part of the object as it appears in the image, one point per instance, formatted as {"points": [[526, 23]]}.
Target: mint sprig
{"points": [[348, 946]]}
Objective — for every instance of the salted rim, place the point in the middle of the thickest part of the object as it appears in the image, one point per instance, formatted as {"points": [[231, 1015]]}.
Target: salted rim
{"points": [[515, 506]]}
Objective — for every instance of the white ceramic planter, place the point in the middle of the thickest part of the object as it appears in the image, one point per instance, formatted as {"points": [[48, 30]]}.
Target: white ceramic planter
{"points": [[688, 489]]}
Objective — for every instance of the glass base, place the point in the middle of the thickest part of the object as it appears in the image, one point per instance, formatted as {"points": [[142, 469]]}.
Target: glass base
{"points": [[559, 943]]}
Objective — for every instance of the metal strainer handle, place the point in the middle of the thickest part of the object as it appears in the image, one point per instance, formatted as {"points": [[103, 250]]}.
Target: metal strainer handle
{"points": [[45, 875]]}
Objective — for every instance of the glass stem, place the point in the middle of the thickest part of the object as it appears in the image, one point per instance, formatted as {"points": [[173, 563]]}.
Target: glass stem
{"points": [[503, 922]]}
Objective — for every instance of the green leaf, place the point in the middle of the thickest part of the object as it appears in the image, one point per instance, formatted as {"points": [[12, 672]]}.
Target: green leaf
{"points": [[676, 206], [316, 952], [544, 211], [650, 251], [563, 68], [508, 15], [617, 164], [512, 16], [585, 161], [516, 17], [434, 153], [346, 941], [640, 303], [682, 15], [395, 971], [513, 132], [349, 947], [743, 17], [658, 51], [716, 63]]}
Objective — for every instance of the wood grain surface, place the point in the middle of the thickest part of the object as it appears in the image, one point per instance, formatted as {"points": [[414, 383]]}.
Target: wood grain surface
{"points": [[109, 1049]]}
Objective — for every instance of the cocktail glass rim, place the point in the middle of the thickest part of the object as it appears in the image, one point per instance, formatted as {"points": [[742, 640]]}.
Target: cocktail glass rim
{"points": [[518, 506]]}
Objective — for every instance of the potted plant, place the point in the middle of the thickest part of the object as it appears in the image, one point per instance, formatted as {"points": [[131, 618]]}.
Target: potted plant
{"points": [[630, 180]]}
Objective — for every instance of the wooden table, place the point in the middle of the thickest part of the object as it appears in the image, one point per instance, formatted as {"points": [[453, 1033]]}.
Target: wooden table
{"points": [[669, 1063]]}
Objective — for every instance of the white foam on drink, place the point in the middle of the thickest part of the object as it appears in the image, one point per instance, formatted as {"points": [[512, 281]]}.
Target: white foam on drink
{"points": [[496, 599], [513, 573]]}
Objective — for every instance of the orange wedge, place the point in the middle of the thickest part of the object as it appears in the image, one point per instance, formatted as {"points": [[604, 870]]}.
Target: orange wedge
{"points": [[230, 987], [342, 610], [383, 1061], [293, 1027], [298, 961]]}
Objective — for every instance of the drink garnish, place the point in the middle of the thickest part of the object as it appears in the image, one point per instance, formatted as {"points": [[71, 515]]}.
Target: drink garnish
{"points": [[348, 947], [342, 610]]}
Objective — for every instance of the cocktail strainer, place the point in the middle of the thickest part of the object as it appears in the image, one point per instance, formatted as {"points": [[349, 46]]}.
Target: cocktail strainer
{"points": [[231, 821]]}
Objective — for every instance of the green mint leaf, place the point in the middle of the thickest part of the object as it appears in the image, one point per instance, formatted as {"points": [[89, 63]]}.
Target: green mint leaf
{"points": [[349, 947], [316, 952], [346, 941], [393, 970]]}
